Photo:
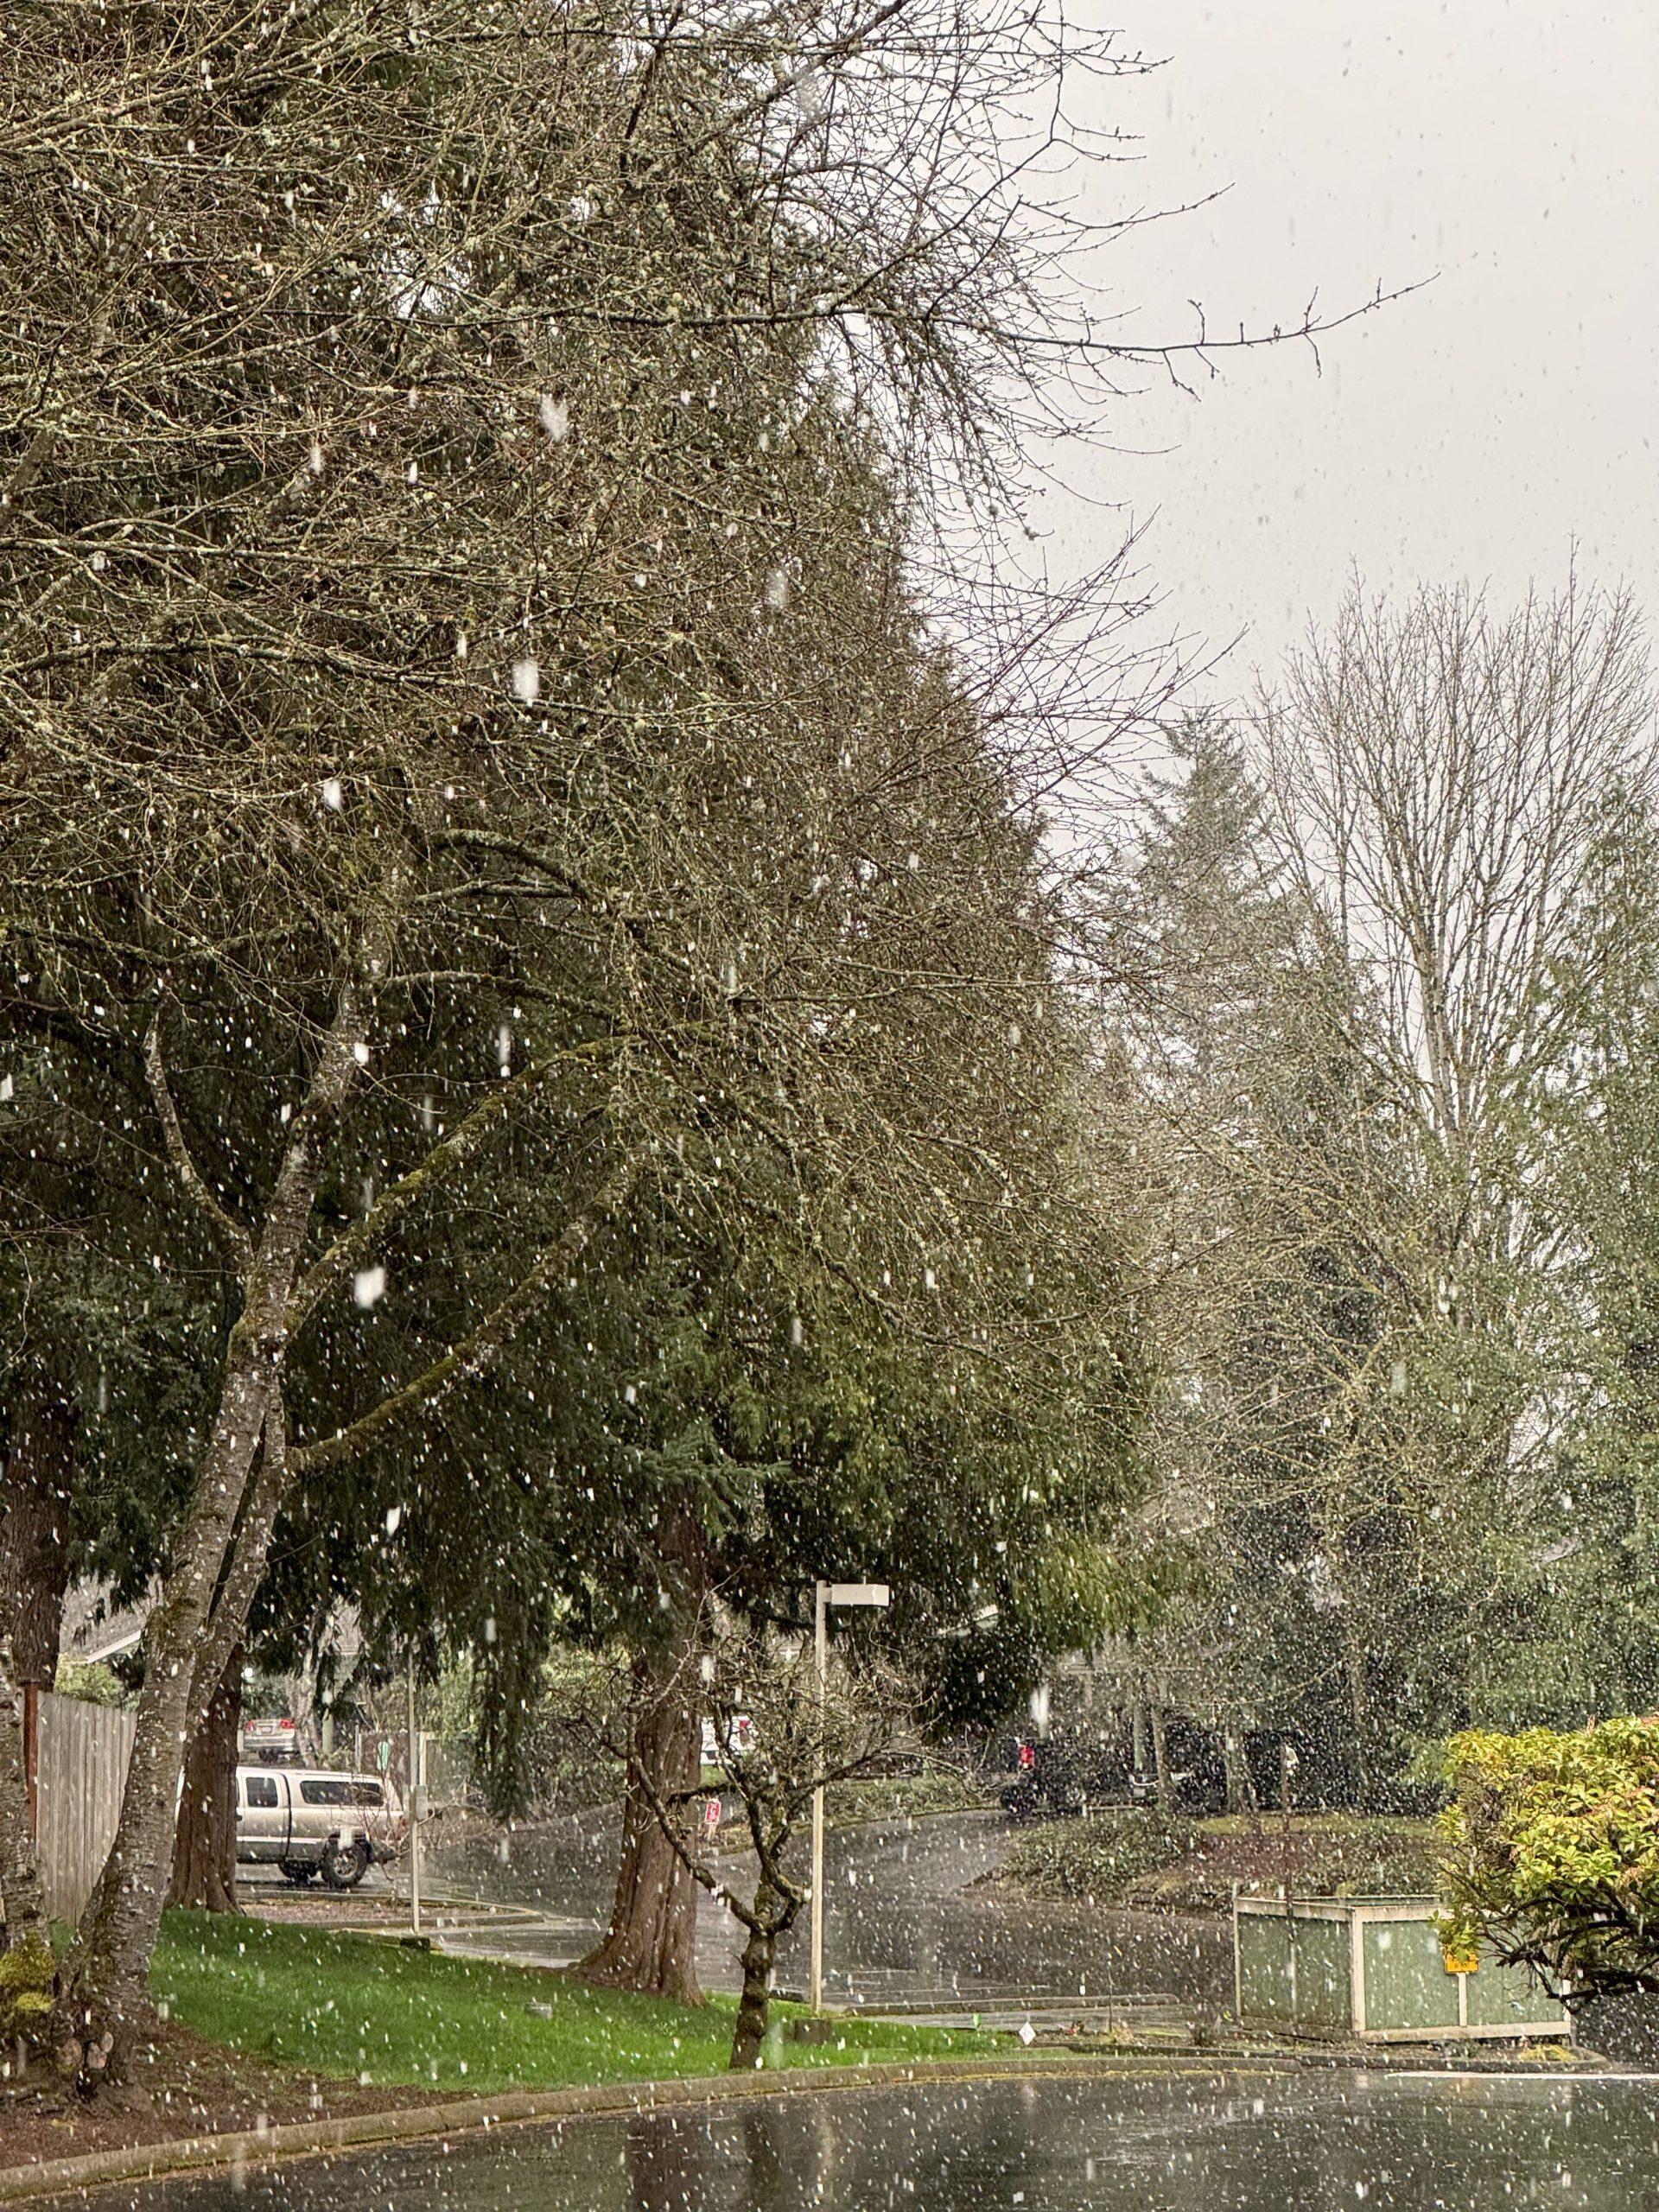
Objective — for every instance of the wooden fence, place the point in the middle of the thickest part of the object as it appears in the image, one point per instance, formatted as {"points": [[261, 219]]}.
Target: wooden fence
{"points": [[80, 1763]]}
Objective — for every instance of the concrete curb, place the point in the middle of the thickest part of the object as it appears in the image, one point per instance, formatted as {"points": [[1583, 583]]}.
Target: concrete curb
{"points": [[409, 2123]]}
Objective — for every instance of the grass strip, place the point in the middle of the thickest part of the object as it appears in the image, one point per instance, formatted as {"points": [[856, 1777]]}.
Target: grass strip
{"points": [[356, 2007]]}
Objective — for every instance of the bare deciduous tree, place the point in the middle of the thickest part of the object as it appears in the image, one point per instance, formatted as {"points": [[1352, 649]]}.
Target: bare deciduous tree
{"points": [[1351, 1130], [1441, 779], [780, 1736]]}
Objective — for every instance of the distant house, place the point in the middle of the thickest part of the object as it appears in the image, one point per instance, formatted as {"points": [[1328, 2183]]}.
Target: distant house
{"points": [[95, 1630]]}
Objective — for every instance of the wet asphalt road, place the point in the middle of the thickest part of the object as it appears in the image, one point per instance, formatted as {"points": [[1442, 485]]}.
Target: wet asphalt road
{"points": [[1341, 2141], [904, 1926]]}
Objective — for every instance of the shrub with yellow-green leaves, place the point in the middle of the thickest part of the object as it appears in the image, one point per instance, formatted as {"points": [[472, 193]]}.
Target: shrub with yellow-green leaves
{"points": [[1551, 1852]]}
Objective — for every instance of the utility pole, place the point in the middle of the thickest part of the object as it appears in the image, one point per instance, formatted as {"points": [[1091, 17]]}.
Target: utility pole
{"points": [[825, 1594]]}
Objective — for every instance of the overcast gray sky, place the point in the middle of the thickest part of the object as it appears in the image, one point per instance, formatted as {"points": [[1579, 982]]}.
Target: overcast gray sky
{"points": [[1476, 429]]}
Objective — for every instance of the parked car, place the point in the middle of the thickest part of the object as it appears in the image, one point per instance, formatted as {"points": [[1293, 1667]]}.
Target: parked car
{"points": [[1063, 1776], [274, 1742], [1186, 1791], [308, 1822]]}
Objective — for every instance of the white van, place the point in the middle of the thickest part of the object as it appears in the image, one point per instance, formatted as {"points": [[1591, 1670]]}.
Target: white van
{"points": [[310, 1820]]}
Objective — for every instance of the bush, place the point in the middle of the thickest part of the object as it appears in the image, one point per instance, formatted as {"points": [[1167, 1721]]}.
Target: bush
{"points": [[1552, 1852], [1144, 1858], [96, 1684]]}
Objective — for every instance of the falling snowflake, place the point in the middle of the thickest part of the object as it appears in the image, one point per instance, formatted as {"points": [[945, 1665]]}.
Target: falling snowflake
{"points": [[332, 797], [554, 418], [527, 681], [369, 1286]]}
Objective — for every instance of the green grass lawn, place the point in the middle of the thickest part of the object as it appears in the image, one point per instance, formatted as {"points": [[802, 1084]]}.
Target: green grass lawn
{"points": [[353, 2006], [914, 1796]]}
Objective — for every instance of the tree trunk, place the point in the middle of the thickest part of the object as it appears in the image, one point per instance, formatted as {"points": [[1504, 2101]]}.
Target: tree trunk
{"points": [[204, 1845], [1160, 1759], [650, 1945], [748, 2038], [20, 1880], [34, 1499], [34, 1571], [1359, 1703], [1241, 1785], [104, 1987]]}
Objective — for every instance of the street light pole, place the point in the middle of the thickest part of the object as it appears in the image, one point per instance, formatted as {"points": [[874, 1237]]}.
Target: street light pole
{"points": [[414, 1809], [825, 1594], [821, 1643]]}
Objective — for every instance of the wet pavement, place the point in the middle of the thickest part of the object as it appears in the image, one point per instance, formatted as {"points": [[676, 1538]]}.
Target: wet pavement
{"points": [[904, 1926], [1175, 2142]]}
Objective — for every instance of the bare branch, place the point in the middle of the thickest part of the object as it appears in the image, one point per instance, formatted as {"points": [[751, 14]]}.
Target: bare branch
{"points": [[178, 1151]]}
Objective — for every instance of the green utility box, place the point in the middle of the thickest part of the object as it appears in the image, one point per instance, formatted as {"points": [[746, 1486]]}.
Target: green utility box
{"points": [[1373, 1968]]}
